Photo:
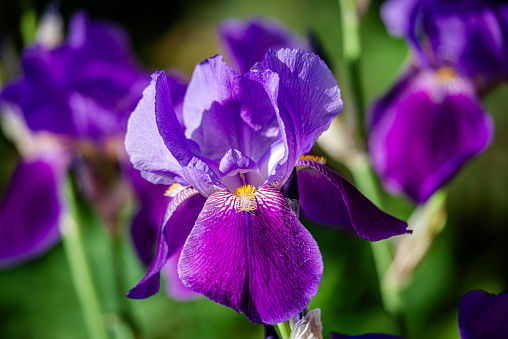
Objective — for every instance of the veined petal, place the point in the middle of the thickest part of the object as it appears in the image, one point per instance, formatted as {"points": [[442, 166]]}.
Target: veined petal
{"points": [[30, 212], [483, 315], [194, 170], [223, 110], [179, 219], [307, 101], [145, 146], [340, 196], [247, 42], [254, 257]]}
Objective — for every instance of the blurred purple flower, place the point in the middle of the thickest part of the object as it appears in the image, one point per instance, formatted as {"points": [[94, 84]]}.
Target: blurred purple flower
{"points": [[243, 246], [471, 36], [75, 99], [425, 129], [247, 42], [483, 315]]}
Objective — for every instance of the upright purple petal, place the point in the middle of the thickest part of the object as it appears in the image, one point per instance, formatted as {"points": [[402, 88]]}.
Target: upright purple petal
{"points": [[248, 41], [223, 110], [145, 146], [342, 204], [483, 315], [307, 101], [426, 131], [179, 219], [195, 171], [30, 212], [259, 261]]}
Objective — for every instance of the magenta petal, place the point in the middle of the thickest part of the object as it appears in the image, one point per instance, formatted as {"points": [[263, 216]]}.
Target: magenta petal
{"points": [[180, 216], [368, 221], [483, 315], [263, 263], [29, 213]]}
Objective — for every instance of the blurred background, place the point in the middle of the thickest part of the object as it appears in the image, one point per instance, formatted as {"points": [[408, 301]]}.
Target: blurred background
{"points": [[37, 299]]}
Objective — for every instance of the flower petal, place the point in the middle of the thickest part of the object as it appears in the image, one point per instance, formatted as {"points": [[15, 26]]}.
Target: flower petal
{"points": [[30, 212], [426, 133], [263, 263], [145, 146], [223, 110], [368, 221], [172, 284], [197, 173], [248, 41], [483, 315], [180, 216], [146, 222], [307, 101]]}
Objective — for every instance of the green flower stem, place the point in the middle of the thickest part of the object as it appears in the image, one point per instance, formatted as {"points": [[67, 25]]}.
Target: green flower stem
{"points": [[351, 45], [283, 330], [80, 271]]}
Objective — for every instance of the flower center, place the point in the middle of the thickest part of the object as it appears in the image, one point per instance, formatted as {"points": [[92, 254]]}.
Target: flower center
{"points": [[446, 74], [246, 198]]}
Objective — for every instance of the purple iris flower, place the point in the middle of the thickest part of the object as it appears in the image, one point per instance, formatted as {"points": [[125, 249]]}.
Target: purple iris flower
{"points": [[471, 35], [74, 100], [425, 129], [241, 244], [483, 315]]}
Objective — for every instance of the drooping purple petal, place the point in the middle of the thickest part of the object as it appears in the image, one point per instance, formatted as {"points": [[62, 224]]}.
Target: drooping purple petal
{"points": [[307, 101], [145, 225], [400, 16], [180, 216], [426, 132], [327, 197], [223, 110], [260, 262], [197, 173], [172, 284], [334, 335], [248, 41], [30, 212], [483, 315]]}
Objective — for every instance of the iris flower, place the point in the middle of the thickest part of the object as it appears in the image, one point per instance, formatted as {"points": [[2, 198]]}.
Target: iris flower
{"points": [[425, 129], [241, 243], [470, 35], [70, 104]]}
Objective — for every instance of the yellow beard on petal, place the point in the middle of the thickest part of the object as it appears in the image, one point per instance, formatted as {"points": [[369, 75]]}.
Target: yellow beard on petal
{"points": [[319, 160], [246, 198]]}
